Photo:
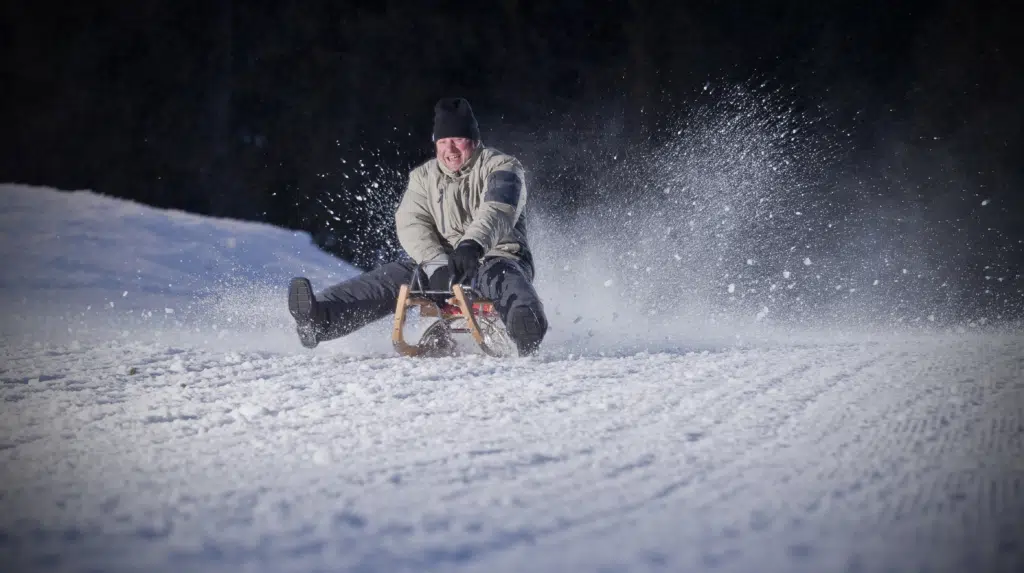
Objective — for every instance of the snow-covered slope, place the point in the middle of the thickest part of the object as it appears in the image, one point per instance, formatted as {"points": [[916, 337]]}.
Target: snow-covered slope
{"points": [[75, 263], [158, 414]]}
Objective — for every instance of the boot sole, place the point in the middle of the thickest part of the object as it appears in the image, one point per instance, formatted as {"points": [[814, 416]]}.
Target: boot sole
{"points": [[526, 330], [301, 303]]}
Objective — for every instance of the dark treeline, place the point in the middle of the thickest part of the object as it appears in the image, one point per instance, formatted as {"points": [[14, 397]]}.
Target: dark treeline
{"points": [[259, 109]]}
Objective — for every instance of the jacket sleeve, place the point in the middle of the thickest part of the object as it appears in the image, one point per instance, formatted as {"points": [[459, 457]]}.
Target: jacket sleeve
{"points": [[415, 225], [501, 206]]}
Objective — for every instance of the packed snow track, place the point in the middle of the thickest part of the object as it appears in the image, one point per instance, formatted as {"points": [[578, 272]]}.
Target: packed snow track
{"points": [[852, 457]]}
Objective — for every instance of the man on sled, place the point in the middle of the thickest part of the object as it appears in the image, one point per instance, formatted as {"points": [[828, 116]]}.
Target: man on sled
{"points": [[461, 220]]}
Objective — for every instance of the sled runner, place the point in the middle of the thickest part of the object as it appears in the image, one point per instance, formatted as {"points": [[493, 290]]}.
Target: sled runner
{"points": [[463, 311]]}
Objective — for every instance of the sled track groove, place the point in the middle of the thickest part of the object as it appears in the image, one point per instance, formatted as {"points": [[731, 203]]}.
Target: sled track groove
{"points": [[873, 456]]}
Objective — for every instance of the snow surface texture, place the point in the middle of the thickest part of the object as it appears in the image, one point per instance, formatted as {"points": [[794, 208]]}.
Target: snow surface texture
{"points": [[158, 414]]}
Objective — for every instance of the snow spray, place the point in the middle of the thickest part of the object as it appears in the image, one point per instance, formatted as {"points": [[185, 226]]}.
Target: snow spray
{"points": [[748, 222], [746, 217]]}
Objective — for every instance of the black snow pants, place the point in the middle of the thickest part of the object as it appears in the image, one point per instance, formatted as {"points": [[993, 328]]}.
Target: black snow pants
{"points": [[352, 304]]}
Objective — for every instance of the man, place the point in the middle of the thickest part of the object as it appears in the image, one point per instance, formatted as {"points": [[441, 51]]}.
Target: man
{"points": [[462, 218]]}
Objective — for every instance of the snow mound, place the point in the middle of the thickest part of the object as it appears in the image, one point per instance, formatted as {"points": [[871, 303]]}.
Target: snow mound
{"points": [[97, 262]]}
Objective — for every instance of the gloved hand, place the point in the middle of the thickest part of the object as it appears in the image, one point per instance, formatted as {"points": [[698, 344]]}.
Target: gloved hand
{"points": [[464, 261]]}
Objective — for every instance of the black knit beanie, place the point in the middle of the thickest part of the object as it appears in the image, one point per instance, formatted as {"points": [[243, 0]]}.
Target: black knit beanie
{"points": [[454, 118]]}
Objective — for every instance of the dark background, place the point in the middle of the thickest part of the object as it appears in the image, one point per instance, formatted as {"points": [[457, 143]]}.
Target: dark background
{"points": [[290, 111]]}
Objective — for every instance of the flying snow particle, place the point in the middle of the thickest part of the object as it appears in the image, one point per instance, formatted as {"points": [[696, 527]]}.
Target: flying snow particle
{"points": [[985, 202], [732, 287], [124, 294], [609, 283], [931, 318], [750, 261], [168, 311], [785, 274], [807, 262], [875, 283]]}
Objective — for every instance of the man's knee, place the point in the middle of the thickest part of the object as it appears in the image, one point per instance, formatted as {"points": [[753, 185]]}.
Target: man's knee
{"points": [[507, 283]]}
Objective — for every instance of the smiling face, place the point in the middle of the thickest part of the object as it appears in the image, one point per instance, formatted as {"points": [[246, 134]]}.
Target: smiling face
{"points": [[454, 152]]}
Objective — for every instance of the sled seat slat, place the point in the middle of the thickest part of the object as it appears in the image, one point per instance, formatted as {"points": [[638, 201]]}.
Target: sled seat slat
{"points": [[451, 308]]}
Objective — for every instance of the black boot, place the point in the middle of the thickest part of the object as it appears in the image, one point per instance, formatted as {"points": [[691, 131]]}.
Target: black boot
{"points": [[302, 304], [526, 327]]}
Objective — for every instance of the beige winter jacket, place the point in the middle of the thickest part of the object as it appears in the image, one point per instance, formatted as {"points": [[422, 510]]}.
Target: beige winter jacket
{"points": [[482, 202]]}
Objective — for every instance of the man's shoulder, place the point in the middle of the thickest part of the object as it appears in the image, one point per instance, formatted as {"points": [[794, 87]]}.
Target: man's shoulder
{"points": [[491, 158]]}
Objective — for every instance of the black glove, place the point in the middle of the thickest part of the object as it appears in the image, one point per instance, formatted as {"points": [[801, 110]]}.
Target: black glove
{"points": [[464, 261]]}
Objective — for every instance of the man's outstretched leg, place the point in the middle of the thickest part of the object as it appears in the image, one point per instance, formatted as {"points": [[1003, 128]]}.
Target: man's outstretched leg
{"points": [[507, 283], [347, 306]]}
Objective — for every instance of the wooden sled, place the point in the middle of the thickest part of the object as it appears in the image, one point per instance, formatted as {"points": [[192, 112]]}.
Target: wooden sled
{"points": [[463, 313]]}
